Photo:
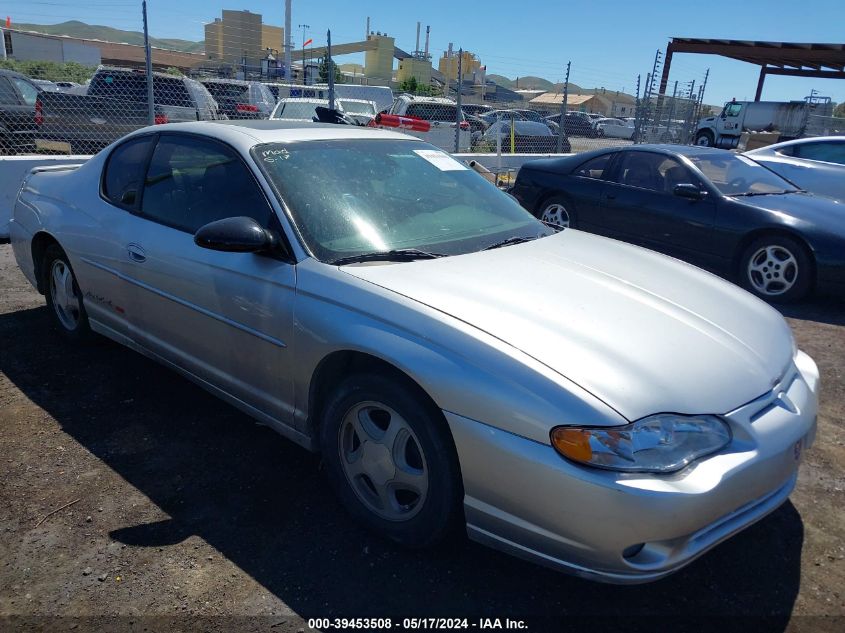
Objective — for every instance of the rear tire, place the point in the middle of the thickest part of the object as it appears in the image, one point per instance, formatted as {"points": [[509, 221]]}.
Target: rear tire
{"points": [[557, 210], [64, 298], [777, 268], [391, 460]]}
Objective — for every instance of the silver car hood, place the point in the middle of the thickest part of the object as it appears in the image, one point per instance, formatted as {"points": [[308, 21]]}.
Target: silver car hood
{"points": [[643, 332]]}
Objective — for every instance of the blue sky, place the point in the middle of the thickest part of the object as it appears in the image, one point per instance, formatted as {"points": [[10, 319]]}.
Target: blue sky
{"points": [[609, 43]]}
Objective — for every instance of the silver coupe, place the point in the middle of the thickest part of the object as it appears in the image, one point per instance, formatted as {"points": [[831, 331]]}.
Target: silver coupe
{"points": [[461, 366]]}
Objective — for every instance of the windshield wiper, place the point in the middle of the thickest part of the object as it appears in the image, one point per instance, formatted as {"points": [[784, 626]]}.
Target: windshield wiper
{"points": [[394, 255], [516, 239], [765, 193]]}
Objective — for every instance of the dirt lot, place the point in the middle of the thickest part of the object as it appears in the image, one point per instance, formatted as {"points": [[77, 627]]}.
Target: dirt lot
{"points": [[185, 508]]}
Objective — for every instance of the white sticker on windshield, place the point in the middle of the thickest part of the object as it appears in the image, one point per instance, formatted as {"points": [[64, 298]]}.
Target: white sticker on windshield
{"points": [[441, 160]]}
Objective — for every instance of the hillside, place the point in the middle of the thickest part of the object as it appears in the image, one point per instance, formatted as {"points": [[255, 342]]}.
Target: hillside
{"points": [[532, 83], [74, 28]]}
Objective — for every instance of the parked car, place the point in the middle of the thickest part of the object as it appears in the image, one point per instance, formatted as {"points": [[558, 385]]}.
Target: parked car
{"points": [[575, 124], [459, 364], [816, 164], [114, 104], [711, 207], [362, 111], [67, 85], [45, 85], [18, 95], [241, 99], [475, 109], [382, 96], [442, 114], [615, 128], [528, 137], [300, 109]]}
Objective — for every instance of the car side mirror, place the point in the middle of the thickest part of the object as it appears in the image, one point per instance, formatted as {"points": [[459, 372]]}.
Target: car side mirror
{"points": [[689, 190], [235, 235]]}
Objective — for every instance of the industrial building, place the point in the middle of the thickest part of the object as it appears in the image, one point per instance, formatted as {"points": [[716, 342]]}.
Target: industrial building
{"points": [[241, 37]]}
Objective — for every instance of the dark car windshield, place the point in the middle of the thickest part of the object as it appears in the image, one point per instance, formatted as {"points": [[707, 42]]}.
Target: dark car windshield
{"points": [[735, 175], [351, 197]]}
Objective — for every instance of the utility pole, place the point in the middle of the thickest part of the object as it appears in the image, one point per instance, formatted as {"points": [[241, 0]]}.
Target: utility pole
{"points": [[151, 113], [637, 113], [563, 104], [304, 27], [330, 66], [288, 69], [458, 114]]}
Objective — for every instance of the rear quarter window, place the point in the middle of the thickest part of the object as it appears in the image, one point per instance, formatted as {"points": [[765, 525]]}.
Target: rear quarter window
{"points": [[124, 169]]}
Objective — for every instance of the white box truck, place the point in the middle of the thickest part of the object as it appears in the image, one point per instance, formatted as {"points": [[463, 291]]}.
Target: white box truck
{"points": [[792, 119]]}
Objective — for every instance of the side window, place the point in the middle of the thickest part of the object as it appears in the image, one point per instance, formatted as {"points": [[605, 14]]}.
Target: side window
{"points": [[124, 171], [27, 90], [8, 96], [827, 152], [655, 172], [192, 182], [595, 167], [733, 109]]}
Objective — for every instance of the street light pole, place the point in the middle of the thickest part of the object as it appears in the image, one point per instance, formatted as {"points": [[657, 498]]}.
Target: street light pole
{"points": [[304, 70]]}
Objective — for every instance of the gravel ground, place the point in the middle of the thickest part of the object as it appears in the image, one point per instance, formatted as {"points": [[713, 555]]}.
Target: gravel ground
{"points": [[182, 508]]}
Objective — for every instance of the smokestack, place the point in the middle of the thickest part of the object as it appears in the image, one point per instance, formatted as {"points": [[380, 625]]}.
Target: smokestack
{"points": [[427, 30], [417, 49], [367, 34]]}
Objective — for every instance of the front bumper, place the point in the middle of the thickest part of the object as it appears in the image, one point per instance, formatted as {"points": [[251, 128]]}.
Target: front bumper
{"points": [[523, 498]]}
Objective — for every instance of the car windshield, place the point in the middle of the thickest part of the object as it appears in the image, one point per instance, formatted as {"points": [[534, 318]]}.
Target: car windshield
{"points": [[735, 175], [355, 197], [298, 110], [358, 107]]}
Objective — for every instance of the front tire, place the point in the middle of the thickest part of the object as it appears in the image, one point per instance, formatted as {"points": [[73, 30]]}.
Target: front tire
{"points": [[777, 268], [705, 138], [391, 460], [64, 298]]}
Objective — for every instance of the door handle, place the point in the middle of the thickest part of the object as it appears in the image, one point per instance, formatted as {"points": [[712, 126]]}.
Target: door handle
{"points": [[136, 253]]}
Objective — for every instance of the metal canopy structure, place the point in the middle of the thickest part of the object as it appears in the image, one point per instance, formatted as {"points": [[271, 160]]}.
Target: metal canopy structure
{"points": [[793, 59]]}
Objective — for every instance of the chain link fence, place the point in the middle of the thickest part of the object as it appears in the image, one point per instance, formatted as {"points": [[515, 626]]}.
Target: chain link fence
{"points": [[86, 109], [665, 118]]}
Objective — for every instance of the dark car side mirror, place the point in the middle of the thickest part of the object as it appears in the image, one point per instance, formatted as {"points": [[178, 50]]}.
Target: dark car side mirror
{"points": [[235, 235], [689, 190]]}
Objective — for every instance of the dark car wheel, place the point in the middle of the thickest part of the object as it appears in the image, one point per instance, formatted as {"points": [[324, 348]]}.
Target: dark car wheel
{"points": [[557, 210], [705, 139], [391, 460], [777, 268], [64, 298]]}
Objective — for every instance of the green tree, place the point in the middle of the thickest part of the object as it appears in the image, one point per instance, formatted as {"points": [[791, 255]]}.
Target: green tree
{"points": [[839, 110], [51, 71], [323, 71], [409, 85], [172, 70], [412, 86]]}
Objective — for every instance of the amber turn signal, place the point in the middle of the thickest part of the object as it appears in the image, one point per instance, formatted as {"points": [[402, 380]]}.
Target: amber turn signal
{"points": [[572, 443]]}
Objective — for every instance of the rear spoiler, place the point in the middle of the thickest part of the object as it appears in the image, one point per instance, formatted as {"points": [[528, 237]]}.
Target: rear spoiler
{"points": [[44, 168]]}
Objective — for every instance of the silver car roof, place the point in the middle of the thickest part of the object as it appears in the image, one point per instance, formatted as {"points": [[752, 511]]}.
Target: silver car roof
{"points": [[246, 133]]}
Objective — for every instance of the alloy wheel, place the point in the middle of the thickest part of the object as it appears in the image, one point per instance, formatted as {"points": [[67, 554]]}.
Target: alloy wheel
{"points": [[557, 214], [65, 295], [772, 270], [383, 461]]}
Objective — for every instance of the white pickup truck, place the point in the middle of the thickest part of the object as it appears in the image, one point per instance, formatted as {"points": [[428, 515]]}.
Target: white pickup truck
{"points": [[442, 114]]}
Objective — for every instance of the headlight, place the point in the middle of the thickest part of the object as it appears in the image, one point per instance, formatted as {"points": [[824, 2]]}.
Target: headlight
{"points": [[659, 444]]}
